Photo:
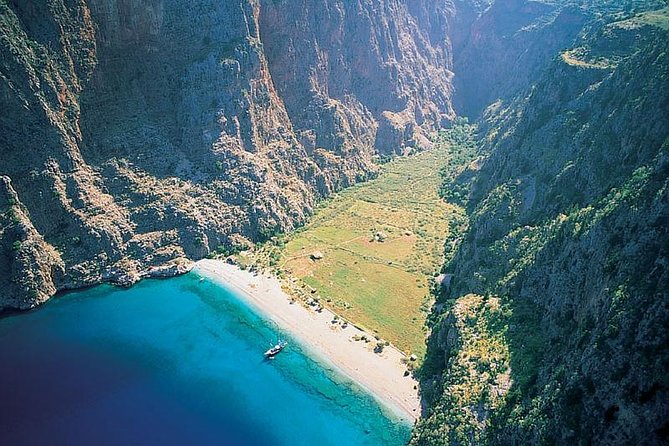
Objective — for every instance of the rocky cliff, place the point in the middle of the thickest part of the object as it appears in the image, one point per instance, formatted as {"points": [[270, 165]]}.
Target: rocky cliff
{"points": [[136, 135], [554, 330], [500, 48]]}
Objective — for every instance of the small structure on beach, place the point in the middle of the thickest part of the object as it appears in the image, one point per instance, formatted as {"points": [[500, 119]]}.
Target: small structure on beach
{"points": [[380, 236], [316, 255]]}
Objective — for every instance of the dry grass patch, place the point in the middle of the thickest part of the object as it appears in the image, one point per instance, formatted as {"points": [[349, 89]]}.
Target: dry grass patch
{"points": [[381, 285]]}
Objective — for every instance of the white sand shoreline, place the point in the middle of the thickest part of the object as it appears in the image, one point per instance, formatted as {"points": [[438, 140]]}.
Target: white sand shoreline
{"points": [[380, 374]]}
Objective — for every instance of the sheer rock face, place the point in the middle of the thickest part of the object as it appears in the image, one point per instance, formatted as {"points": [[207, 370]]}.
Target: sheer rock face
{"points": [[29, 267], [500, 50], [140, 133], [568, 230], [369, 66]]}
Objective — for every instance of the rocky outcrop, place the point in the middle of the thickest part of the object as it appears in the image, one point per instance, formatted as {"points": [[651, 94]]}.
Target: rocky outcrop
{"points": [[568, 235], [142, 133], [383, 72], [29, 267], [138, 135]]}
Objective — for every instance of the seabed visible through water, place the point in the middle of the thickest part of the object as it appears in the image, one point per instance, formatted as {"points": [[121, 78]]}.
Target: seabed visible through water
{"points": [[176, 361]]}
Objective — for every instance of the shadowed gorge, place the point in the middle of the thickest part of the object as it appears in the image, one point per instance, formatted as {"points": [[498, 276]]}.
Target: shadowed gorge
{"points": [[554, 328]]}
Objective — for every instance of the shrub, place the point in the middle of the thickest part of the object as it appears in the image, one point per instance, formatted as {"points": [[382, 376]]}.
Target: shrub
{"points": [[13, 216]]}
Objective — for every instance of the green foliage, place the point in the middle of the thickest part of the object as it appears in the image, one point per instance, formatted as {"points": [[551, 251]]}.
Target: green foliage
{"points": [[17, 245], [658, 18], [461, 138], [14, 216], [274, 258], [379, 285], [267, 232], [477, 366], [226, 251], [567, 226]]}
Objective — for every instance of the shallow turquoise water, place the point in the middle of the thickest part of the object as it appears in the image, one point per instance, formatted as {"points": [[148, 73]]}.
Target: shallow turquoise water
{"points": [[174, 361]]}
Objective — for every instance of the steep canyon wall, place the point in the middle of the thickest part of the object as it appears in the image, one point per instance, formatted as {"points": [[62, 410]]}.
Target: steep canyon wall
{"points": [[554, 328], [137, 134]]}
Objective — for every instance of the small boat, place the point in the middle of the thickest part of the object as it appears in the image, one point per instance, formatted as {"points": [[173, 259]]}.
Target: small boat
{"points": [[276, 349]]}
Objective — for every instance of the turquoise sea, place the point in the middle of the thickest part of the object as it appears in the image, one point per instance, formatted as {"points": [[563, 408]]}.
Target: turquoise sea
{"points": [[176, 361]]}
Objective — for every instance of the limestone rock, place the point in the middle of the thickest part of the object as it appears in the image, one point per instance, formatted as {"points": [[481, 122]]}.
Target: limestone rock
{"points": [[125, 162], [568, 212], [31, 270]]}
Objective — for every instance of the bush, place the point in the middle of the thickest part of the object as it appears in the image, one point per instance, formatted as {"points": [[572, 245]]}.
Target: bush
{"points": [[13, 216], [227, 250]]}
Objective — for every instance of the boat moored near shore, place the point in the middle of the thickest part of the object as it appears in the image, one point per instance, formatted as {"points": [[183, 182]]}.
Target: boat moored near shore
{"points": [[276, 349]]}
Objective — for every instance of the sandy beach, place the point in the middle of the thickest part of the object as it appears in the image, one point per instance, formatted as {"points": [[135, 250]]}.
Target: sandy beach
{"points": [[381, 374]]}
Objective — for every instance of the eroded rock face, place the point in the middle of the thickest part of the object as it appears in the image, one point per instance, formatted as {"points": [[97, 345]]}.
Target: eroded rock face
{"points": [[29, 267], [142, 133], [568, 233], [380, 69]]}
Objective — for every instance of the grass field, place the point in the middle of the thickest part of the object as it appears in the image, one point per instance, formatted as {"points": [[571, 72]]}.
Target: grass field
{"points": [[383, 286]]}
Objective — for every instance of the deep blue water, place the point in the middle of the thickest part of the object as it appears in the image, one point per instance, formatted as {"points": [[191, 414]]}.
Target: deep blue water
{"points": [[174, 361]]}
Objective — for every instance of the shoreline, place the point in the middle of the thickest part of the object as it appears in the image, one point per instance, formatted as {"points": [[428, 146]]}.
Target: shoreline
{"points": [[381, 374]]}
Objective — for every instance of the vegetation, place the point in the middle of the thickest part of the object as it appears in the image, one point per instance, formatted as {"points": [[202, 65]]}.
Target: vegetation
{"points": [[659, 18], [477, 358], [494, 348], [563, 340], [461, 139], [381, 282], [13, 215], [379, 244]]}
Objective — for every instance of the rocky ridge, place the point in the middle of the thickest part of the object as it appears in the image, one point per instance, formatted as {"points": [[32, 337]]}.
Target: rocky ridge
{"points": [[142, 134], [553, 330], [136, 136], [500, 48]]}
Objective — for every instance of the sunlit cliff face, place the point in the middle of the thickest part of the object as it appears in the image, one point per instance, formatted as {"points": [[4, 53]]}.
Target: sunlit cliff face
{"points": [[139, 134]]}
